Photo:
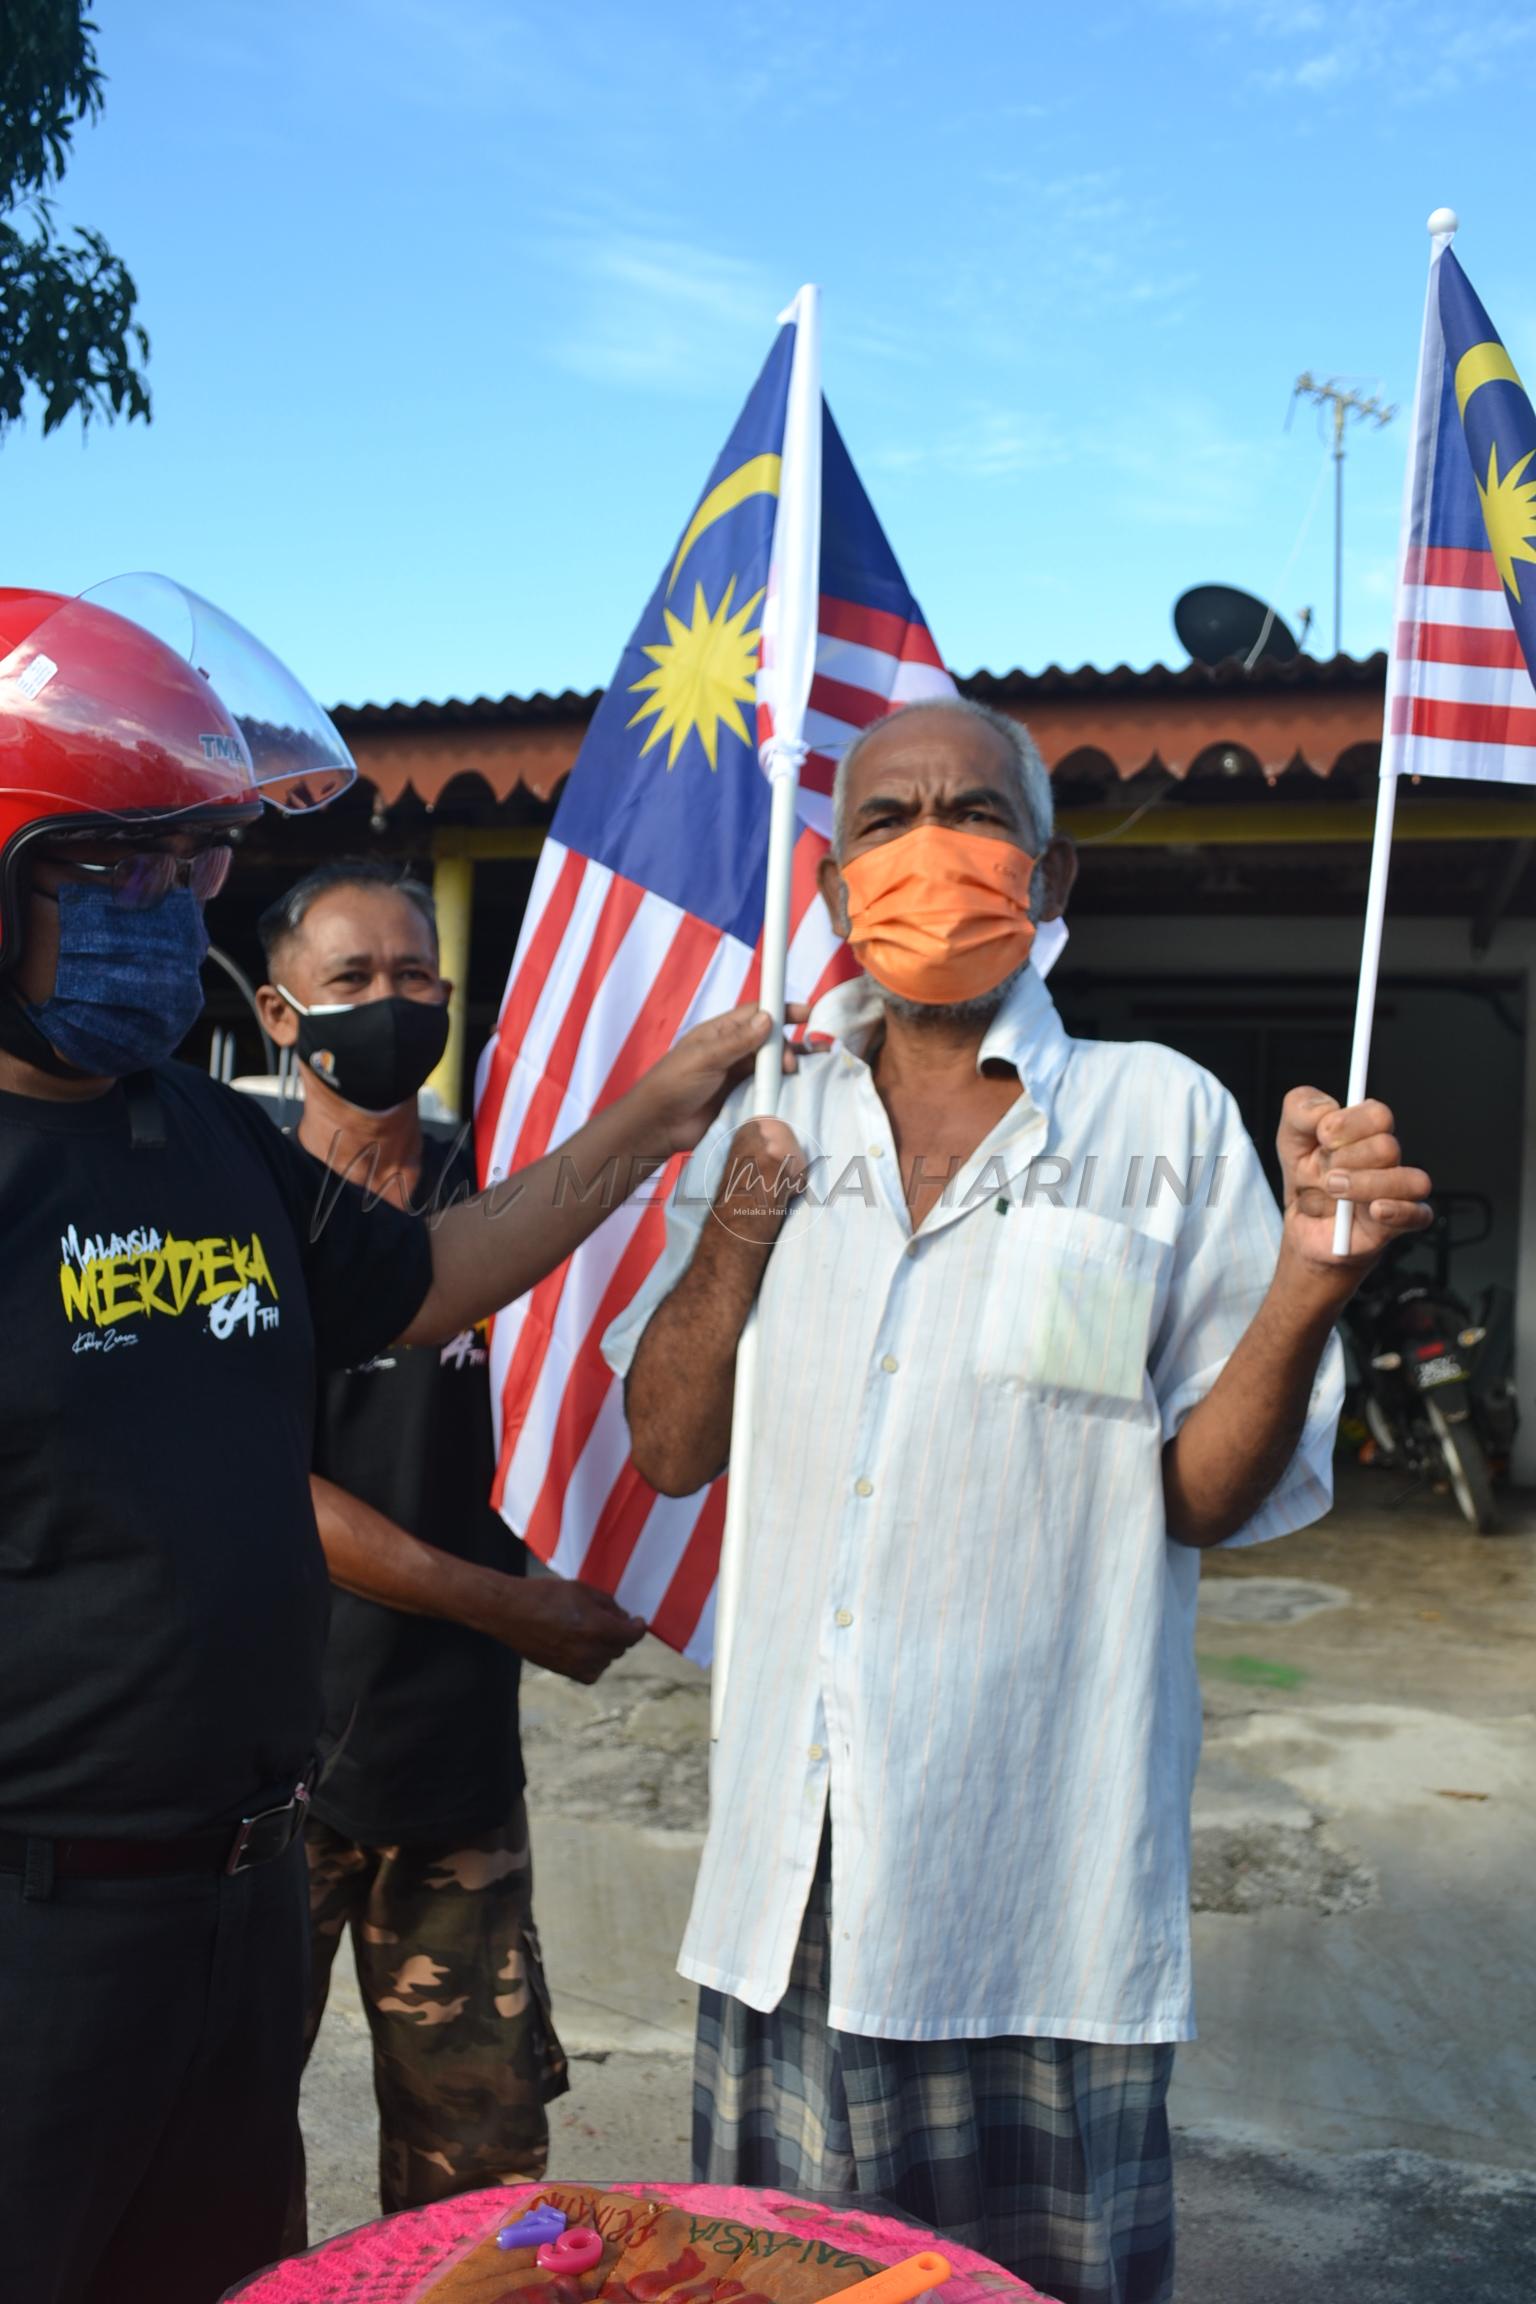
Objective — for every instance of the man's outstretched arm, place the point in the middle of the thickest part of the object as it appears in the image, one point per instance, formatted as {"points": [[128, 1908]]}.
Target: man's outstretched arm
{"points": [[490, 1250]]}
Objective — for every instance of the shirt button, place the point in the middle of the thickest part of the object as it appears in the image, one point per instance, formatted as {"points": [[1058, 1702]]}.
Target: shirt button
{"points": [[815, 1752], [911, 1248], [844, 1617], [877, 1151], [863, 1487], [890, 1363]]}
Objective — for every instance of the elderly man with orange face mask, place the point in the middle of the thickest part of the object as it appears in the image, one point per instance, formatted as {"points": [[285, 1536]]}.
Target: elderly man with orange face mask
{"points": [[1032, 1332]]}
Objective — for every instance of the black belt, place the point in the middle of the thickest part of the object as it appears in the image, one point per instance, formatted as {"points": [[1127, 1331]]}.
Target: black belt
{"points": [[257, 1839]]}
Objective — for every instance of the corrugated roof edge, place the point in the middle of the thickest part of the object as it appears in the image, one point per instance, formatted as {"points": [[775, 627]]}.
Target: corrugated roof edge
{"points": [[1155, 679], [459, 712], [989, 687]]}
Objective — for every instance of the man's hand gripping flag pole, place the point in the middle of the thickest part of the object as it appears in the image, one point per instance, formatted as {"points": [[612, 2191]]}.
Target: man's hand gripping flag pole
{"points": [[788, 665], [1442, 230]]}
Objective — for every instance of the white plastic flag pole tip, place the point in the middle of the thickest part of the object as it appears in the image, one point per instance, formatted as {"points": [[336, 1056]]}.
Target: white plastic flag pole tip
{"points": [[1444, 224]]}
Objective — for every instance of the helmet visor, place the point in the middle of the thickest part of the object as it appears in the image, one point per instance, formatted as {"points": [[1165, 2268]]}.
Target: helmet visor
{"points": [[139, 700], [296, 758]]}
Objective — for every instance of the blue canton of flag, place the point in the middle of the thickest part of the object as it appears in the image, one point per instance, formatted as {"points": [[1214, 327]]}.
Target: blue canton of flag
{"points": [[1460, 699], [666, 786]]}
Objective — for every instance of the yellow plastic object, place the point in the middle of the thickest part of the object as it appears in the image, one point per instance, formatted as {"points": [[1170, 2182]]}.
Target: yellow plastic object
{"points": [[900, 2283]]}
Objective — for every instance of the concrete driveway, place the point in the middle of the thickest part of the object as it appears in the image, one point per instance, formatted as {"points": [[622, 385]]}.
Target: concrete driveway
{"points": [[1359, 2116]]}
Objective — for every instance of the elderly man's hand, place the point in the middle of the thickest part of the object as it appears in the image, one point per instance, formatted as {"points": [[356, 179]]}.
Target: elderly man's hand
{"points": [[1330, 1153], [764, 1174]]}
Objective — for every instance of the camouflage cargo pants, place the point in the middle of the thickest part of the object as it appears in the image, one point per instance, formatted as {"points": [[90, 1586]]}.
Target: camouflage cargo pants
{"points": [[465, 2056]]}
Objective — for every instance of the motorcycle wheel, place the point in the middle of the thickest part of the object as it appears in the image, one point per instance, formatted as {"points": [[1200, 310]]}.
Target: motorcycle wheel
{"points": [[1467, 1468]]}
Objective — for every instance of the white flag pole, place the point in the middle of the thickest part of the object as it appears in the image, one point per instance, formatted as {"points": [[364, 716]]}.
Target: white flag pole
{"points": [[1421, 448], [790, 622]]}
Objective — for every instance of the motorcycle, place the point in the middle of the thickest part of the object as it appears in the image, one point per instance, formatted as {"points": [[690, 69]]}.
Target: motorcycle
{"points": [[1431, 1371]]}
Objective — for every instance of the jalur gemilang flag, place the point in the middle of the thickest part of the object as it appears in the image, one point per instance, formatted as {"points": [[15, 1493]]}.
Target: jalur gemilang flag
{"points": [[1460, 700], [645, 918], [1460, 696]]}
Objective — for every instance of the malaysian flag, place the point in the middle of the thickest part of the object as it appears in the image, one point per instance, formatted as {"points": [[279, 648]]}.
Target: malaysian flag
{"points": [[1460, 700], [645, 918], [1459, 695]]}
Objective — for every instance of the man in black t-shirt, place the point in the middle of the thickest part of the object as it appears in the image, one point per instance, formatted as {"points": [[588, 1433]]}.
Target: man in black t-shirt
{"points": [[178, 1275], [417, 1837]]}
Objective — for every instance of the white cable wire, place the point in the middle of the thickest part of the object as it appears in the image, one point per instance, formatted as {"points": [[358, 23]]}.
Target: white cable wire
{"points": [[1278, 587]]}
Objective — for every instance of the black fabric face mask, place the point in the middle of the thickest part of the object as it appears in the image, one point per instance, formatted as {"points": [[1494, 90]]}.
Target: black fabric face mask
{"points": [[374, 1055]]}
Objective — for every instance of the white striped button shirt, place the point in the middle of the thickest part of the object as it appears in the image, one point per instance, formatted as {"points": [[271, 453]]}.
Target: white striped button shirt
{"points": [[963, 1623]]}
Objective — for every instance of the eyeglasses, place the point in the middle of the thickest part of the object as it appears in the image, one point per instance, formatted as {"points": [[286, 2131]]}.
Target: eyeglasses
{"points": [[141, 877]]}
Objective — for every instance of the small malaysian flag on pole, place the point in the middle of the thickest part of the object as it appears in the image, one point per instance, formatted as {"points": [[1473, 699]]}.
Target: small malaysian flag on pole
{"points": [[647, 916], [1460, 699], [1461, 702]]}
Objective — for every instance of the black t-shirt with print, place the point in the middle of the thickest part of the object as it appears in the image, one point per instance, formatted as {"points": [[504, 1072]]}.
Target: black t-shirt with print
{"points": [[420, 1715], [163, 1595]]}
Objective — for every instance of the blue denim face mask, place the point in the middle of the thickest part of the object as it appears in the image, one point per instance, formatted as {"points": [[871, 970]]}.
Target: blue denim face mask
{"points": [[127, 989]]}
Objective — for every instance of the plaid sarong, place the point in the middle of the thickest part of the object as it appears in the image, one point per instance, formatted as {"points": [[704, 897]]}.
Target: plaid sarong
{"points": [[1050, 2156]]}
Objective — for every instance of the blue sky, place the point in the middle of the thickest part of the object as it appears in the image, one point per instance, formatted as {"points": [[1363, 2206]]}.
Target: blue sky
{"points": [[454, 301]]}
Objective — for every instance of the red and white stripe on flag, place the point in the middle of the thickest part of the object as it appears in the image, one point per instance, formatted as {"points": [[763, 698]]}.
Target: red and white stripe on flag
{"points": [[1462, 703], [605, 977], [867, 662]]}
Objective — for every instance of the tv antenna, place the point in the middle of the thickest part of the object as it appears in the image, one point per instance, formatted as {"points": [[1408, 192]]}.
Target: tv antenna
{"points": [[1333, 392]]}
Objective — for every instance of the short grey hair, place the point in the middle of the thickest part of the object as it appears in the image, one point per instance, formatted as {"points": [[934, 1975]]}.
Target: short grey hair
{"points": [[1030, 772]]}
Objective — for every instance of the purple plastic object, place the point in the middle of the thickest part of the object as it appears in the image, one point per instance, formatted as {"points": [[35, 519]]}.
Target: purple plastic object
{"points": [[537, 2229], [575, 2251]]}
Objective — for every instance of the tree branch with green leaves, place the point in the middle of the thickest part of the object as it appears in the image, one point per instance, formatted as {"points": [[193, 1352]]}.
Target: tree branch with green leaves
{"points": [[67, 303]]}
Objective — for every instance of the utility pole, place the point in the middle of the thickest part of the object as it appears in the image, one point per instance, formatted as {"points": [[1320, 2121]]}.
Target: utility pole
{"points": [[1331, 393]]}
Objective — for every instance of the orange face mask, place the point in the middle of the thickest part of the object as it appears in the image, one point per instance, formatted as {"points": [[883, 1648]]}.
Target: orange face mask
{"points": [[940, 916]]}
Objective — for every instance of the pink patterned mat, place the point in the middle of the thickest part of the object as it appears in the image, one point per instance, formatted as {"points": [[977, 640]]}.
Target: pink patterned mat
{"points": [[395, 2260]]}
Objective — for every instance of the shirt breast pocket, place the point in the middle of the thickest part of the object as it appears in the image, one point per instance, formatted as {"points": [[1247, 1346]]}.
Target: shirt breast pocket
{"points": [[1070, 1309]]}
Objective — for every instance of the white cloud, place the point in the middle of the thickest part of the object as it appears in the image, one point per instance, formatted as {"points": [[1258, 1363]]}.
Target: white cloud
{"points": [[658, 313], [641, 301], [1182, 468], [988, 443], [464, 56], [1164, 293], [1404, 50], [1081, 245]]}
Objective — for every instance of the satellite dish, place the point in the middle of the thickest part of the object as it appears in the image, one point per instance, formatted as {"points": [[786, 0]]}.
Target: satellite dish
{"points": [[1216, 622]]}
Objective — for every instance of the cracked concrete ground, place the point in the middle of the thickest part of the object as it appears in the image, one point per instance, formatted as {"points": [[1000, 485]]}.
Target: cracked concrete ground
{"points": [[1360, 2111]]}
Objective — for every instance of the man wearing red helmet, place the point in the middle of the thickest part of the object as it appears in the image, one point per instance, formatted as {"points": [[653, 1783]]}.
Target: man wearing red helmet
{"points": [[177, 1273]]}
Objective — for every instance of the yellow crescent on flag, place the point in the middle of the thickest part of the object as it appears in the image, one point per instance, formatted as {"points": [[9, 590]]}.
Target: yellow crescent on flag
{"points": [[1483, 364], [759, 476]]}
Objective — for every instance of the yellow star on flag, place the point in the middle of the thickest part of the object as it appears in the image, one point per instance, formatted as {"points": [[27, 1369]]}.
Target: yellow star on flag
{"points": [[1509, 514], [701, 675]]}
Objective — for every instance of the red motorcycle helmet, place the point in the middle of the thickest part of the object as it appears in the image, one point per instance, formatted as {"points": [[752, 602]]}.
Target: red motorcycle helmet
{"points": [[139, 707]]}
